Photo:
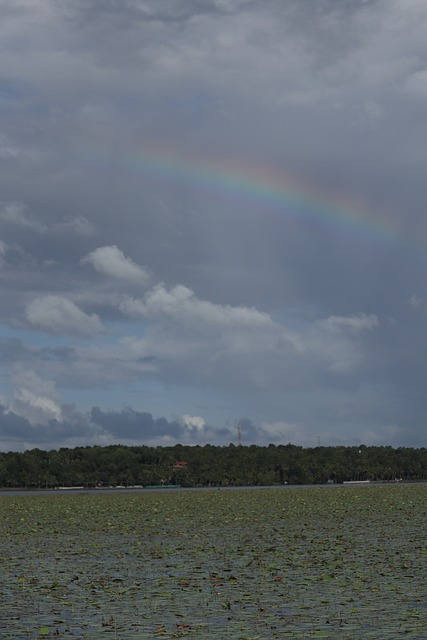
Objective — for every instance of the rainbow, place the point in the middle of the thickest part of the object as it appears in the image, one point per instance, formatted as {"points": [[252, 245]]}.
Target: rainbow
{"points": [[260, 188]]}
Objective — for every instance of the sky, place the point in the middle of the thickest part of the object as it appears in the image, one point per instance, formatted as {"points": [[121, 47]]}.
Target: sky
{"points": [[213, 218]]}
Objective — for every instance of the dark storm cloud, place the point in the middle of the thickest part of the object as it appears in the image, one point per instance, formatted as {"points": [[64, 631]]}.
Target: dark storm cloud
{"points": [[13, 426], [130, 424], [18, 431], [141, 426]]}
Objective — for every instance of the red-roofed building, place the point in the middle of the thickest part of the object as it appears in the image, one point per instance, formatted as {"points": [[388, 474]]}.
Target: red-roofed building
{"points": [[181, 464]]}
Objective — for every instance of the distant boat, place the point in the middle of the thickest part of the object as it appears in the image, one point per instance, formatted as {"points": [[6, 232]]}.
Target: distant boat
{"points": [[356, 481]]}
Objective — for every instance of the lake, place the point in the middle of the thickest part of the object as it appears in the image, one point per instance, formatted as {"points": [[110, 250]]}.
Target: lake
{"points": [[306, 562]]}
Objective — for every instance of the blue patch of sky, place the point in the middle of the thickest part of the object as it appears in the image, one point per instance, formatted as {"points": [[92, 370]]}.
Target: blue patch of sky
{"points": [[13, 92], [30, 337], [45, 340], [114, 328]]}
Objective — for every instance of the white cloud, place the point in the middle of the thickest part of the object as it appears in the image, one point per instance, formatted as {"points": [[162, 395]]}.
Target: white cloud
{"points": [[354, 324], [8, 149], [112, 262], [216, 341], [207, 338], [77, 225], [3, 249], [35, 399], [59, 315], [181, 304], [17, 213], [193, 422], [283, 432], [416, 302], [416, 84], [383, 435], [336, 342]]}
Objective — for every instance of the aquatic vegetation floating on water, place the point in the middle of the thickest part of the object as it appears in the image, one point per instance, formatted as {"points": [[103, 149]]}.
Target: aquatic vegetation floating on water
{"points": [[266, 564]]}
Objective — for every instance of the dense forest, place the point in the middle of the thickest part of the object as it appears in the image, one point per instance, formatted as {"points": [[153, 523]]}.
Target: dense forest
{"points": [[208, 466]]}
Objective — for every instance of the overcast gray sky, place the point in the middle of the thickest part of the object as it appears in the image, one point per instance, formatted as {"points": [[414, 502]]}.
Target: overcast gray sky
{"points": [[213, 211]]}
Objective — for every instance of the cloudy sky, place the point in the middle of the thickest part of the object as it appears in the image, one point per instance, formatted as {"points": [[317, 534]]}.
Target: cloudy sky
{"points": [[213, 211]]}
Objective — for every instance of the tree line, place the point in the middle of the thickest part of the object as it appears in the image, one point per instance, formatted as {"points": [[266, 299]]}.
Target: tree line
{"points": [[208, 466]]}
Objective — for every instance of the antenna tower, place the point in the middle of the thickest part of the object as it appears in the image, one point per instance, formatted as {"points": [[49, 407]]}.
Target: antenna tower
{"points": [[239, 434]]}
